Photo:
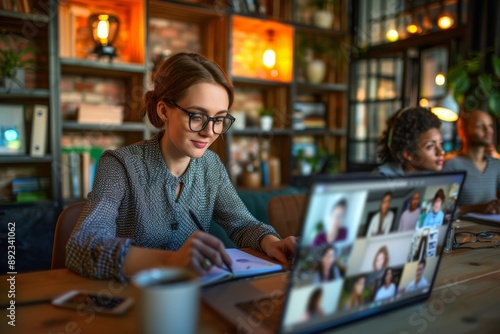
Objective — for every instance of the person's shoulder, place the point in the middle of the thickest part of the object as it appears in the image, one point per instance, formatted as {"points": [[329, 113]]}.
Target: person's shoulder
{"points": [[493, 161], [128, 151], [455, 161], [389, 169]]}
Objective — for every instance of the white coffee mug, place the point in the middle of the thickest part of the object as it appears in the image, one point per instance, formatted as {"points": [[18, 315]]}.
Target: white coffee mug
{"points": [[170, 299]]}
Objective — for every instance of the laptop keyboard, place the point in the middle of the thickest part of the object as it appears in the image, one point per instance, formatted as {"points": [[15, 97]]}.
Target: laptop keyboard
{"points": [[265, 312]]}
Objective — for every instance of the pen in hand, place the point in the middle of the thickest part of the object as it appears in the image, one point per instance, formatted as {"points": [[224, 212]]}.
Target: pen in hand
{"points": [[198, 224]]}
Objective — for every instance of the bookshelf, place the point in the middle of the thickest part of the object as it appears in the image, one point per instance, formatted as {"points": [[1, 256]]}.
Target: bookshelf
{"points": [[72, 75], [27, 24]]}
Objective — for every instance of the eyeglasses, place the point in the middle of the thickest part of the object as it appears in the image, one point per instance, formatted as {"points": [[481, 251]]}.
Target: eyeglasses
{"points": [[198, 121], [462, 238]]}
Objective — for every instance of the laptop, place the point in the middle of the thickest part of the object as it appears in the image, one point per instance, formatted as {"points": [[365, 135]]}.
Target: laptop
{"points": [[368, 245]]}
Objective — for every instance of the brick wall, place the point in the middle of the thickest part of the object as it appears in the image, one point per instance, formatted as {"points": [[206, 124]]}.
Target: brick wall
{"points": [[76, 89]]}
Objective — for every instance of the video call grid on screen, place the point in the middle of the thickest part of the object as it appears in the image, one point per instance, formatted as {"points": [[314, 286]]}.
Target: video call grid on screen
{"points": [[406, 258]]}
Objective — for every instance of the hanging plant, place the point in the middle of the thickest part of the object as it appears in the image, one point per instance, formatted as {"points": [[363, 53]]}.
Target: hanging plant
{"points": [[473, 89]]}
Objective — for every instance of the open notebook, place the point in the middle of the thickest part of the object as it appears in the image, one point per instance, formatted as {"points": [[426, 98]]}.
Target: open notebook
{"points": [[243, 264], [374, 265], [481, 218]]}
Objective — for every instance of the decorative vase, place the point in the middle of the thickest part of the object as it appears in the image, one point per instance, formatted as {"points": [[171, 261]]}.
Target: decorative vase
{"points": [[266, 122], [251, 180], [316, 71], [323, 19]]}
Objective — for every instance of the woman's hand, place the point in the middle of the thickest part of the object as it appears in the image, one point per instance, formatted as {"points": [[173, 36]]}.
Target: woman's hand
{"points": [[493, 207], [200, 253], [281, 250]]}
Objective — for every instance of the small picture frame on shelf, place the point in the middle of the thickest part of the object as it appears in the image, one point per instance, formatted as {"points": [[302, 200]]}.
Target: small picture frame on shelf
{"points": [[12, 132]]}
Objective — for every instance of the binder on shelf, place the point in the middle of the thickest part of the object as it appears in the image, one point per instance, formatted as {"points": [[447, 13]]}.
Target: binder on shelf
{"points": [[39, 130]]}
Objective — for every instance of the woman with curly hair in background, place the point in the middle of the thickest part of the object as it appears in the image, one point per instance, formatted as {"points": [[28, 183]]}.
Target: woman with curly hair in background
{"points": [[411, 143]]}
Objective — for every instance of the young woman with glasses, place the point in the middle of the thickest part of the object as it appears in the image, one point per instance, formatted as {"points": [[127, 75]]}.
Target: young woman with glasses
{"points": [[152, 201]]}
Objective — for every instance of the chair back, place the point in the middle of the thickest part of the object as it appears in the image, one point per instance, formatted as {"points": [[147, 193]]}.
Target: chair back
{"points": [[64, 226], [286, 213]]}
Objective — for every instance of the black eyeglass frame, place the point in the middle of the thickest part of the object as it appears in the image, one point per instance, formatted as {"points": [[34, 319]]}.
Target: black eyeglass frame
{"points": [[459, 244], [208, 118]]}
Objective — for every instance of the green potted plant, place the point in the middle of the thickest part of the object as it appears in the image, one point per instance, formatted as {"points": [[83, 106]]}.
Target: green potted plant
{"points": [[13, 63], [266, 118], [473, 89]]}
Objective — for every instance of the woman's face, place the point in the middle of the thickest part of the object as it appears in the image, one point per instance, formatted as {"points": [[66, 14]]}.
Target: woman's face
{"points": [[436, 206], [359, 286], [385, 204], [380, 261], [336, 218], [429, 153], [388, 277], [328, 258], [210, 99]]}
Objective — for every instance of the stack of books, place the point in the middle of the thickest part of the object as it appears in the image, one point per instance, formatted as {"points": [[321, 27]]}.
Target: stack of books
{"points": [[30, 189], [312, 115]]}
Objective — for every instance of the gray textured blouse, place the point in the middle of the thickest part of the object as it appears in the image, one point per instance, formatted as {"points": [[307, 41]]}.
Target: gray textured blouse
{"points": [[133, 202]]}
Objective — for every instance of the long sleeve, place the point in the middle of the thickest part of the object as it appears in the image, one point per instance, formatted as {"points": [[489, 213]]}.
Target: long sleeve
{"points": [[134, 202], [93, 249], [231, 213]]}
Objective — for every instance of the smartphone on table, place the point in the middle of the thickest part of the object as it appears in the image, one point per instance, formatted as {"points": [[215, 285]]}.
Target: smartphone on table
{"points": [[101, 303]]}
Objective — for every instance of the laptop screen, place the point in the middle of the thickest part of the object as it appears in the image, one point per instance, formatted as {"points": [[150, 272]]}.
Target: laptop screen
{"points": [[368, 245]]}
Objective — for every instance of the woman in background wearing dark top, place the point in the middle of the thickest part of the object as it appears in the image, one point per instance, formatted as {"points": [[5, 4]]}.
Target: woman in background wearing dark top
{"points": [[411, 142], [334, 231], [387, 289], [328, 268]]}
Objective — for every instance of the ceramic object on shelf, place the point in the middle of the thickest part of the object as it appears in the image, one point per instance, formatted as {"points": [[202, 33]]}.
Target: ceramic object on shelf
{"points": [[323, 19], [316, 70], [266, 122]]}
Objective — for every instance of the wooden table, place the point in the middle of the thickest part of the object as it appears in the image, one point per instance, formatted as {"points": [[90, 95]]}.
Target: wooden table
{"points": [[466, 298]]}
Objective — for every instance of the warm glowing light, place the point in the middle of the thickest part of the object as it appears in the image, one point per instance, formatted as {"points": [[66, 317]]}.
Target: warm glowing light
{"points": [[440, 79], [445, 114], [269, 58], [445, 22], [392, 35], [103, 29], [412, 28], [424, 103], [447, 108]]}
